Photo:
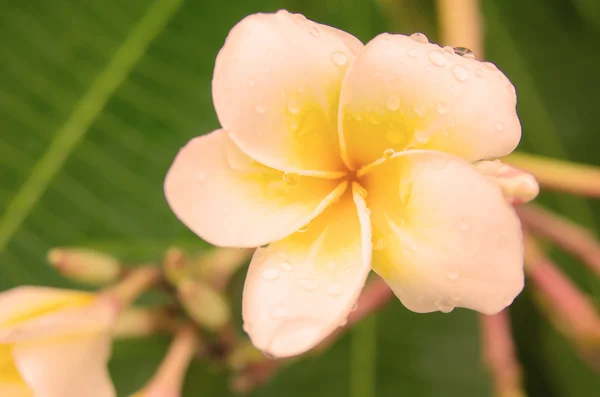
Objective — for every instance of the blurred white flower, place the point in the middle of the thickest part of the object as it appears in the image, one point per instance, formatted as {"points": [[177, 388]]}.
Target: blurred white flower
{"points": [[55, 343]]}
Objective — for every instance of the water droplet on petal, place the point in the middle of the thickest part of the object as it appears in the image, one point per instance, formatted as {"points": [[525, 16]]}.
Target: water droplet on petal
{"points": [[303, 228], [278, 312], [453, 275], [393, 102], [422, 136], [246, 327], [442, 108], [490, 65], [343, 322], [362, 192], [464, 52], [464, 225], [308, 284], [271, 274], [499, 126], [478, 72], [293, 106], [260, 108], [413, 53], [296, 336], [314, 31], [460, 72], [437, 57], [335, 289], [449, 49], [354, 307], [388, 153], [420, 110], [444, 307], [291, 178], [379, 245], [419, 38], [286, 266], [339, 58]]}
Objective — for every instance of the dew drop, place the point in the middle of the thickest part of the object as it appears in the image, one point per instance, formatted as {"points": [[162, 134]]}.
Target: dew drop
{"points": [[343, 322], [413, 53], [437, 57], [303, 229], [308, 284], [379, 245], [449, 49], [419, 38], [420, 110], [286, 266], [291, 178], [464, 52], [361, 191], [278, 312], [478, 72], [251, 83], [460, 72], [444, 307], [260, 108], [422, 136], [246, 327], [354, 307], [314, 31], [453, 275], [490, 65], [271, 274], [393, 102], [388, 153], [464, 225], [339, 58], [293, 106], [499, 126], [442, 108], [335, 289]]}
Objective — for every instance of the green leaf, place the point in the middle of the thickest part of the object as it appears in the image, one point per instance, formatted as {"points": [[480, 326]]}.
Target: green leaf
{"points": [[97, 97]]}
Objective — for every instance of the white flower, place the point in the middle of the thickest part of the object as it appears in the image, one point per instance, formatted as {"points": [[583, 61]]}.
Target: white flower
{"points": [[343, 158]]}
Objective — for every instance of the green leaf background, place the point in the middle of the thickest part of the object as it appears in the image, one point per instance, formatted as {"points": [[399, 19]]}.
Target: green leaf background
{"points": [[96, 97]]}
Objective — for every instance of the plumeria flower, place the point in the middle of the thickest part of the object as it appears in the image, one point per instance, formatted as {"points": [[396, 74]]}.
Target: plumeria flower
{"points": [[336, 158], [55, 343]]}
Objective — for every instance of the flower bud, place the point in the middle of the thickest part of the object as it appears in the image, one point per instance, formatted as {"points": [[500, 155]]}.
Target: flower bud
{"points": [[85, 265], [518, 186], [204, 304]]}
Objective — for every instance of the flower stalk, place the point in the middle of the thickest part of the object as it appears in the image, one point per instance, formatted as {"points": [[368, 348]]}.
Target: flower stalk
{"points": [[138, 281], [500, 356], [559, 175], [460, 24], [571, 310], [565, 233], [168, 380]]}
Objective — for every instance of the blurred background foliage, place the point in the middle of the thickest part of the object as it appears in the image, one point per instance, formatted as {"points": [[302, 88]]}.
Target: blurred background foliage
{"points": [[96, 97]]}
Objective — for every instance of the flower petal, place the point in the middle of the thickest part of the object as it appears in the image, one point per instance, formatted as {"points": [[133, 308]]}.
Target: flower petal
{"points": [[276, 90], [26, 303], [444, 234], [98, 316], [230, 200], [298, 290], [400, 93], [69, 368]]}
